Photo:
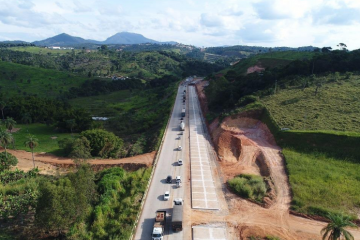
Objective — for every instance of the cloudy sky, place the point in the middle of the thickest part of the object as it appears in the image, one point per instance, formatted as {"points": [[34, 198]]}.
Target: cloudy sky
{"points": [[202, 23]]}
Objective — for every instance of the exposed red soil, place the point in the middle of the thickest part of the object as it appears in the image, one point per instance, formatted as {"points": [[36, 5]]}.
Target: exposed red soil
{"points": [[245, 145], [50, 164], [255, 68]]}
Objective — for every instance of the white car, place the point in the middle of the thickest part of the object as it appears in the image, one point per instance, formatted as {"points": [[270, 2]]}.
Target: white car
{"points": [[179, 148], [180, 162], [178, 179], [167, 196], [178, 201]]}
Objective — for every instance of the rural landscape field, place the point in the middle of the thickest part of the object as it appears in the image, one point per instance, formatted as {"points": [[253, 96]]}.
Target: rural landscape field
{"points": [[180, 120]]}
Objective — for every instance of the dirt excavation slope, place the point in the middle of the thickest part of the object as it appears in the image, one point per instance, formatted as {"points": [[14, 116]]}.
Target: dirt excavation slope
{"points": [[245, 145]]}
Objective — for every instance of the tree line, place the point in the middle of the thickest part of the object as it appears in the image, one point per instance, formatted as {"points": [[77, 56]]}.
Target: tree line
{"points": [[225, 91], [31, 109]]}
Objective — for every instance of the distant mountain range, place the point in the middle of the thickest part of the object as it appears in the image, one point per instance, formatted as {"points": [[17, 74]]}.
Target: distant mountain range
{"points": [[119, 38]]}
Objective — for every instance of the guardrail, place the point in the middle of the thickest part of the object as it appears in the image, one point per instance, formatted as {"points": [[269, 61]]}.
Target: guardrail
{"points": [[132, 236]]}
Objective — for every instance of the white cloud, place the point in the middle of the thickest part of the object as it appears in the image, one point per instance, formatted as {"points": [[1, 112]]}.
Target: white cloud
{"points": [[211, 20], [227, 22]]}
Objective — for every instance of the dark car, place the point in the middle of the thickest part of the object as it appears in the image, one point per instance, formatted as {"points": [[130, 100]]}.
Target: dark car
{"points": [[169, 179]]}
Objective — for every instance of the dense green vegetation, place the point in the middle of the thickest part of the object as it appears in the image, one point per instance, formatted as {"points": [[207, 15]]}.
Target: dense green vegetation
{"points": [[107, 62], [115, 212], [17, 79], [81, 205], [57, 113], [249, 186]]}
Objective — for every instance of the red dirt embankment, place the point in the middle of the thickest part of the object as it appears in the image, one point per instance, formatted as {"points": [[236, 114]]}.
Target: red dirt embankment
{"points": [[48, 163], [245, 145]]}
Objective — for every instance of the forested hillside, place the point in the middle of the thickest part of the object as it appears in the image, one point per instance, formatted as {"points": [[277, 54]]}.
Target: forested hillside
{"points": [[108, 62]]}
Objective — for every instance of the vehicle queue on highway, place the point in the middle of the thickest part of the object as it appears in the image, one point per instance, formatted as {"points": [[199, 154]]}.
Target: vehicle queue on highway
{"points": [[177, 213]]}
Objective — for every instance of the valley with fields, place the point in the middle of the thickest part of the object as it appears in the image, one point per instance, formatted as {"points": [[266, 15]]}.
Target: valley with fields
{"points": [[225, 123]]}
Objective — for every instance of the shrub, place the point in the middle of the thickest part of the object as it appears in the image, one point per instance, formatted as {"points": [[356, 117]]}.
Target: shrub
{"points": [[103, 143], [249, 186], [81, 149], [7, 160]]}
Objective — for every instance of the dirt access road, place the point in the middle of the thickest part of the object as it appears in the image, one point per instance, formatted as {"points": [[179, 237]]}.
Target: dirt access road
{"points": [[50, 164], [245, 145]]}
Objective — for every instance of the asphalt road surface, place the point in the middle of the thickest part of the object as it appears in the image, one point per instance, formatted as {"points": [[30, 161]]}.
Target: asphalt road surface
{"points": [[167, 165]]}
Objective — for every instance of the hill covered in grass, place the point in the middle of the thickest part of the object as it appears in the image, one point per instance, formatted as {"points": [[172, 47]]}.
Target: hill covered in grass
{"points": [[333, 106], [18, 79]]}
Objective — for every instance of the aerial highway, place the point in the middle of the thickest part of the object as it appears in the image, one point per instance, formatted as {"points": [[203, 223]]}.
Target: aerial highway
{"points": [[167, 165]]}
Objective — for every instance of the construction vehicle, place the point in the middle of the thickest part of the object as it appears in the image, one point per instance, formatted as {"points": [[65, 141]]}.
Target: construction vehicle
{"points": [[177, 218], [159, 226]]}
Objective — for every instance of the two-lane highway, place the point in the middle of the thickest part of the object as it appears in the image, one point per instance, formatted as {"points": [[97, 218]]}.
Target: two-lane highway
{"points": [[167, 165]]}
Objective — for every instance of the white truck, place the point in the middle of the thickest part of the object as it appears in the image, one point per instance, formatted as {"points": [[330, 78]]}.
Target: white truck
{"points": [[159, 226]]}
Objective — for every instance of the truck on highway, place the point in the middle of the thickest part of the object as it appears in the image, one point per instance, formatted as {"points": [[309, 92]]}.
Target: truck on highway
{"points": [[182, 126], [159, 226], [177, 218], [183, 112]]}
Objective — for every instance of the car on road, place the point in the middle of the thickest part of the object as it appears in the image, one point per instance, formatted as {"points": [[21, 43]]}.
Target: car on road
{"points": [[169, 179], [178, 201], [180, 162], [179, 148], [178, 179], [166, 195]]}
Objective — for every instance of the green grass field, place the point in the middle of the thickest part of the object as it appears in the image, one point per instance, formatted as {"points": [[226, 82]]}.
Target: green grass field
{"points": [[14, 80], [335, 107], [102, 105], [321, 183], [43, 133]]}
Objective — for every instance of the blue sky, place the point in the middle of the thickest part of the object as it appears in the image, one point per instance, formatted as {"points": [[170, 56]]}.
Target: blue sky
{"points": [[202, 23]]}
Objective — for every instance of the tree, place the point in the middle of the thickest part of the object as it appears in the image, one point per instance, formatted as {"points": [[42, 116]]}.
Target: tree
{"points": [[26, 118], [71, 123], [103, 143], [326, 49], [81, 149], [138, 147], [2, 106], [56, 205], [7, 160], [65, 201], [5, 139], [10, 123], [32, 142], [342, 46], [336, 228]]}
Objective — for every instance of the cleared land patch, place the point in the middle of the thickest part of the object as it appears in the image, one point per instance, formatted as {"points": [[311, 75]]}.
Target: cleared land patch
{"points": [[336, 106]]}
